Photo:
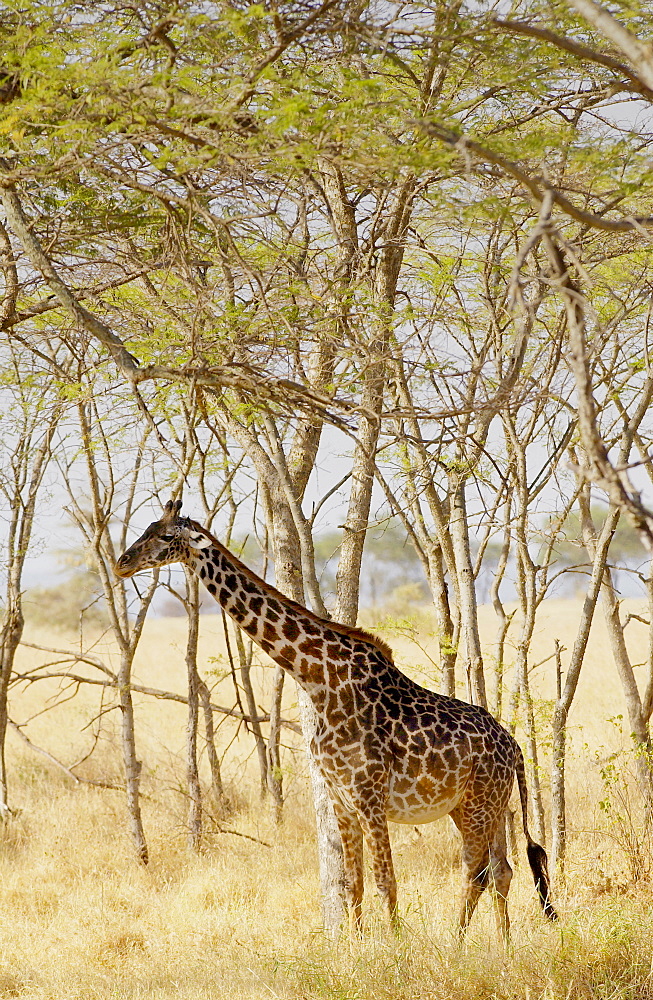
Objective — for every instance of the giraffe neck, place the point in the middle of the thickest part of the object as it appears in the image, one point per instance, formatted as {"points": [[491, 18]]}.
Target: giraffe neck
{"points": [[315, 652]]}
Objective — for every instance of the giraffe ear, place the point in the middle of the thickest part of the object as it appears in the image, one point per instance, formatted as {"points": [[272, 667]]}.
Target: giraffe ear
{"points": [[198, 541]]}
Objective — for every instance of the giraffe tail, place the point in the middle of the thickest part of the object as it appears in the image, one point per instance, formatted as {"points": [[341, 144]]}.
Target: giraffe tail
{"points": [[536, 854]]}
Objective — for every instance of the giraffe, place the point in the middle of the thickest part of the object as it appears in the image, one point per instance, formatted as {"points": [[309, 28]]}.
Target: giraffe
{"points": [[389, 748]]}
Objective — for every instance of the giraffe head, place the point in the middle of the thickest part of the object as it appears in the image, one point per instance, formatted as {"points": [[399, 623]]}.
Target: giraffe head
{"points": [[164, 541]]}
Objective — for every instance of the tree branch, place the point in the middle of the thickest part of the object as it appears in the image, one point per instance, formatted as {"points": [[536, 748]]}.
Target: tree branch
{"points": [[125, 361], [632, 82], [639, 53], [537, 185], [58, 763], [601, 470]]}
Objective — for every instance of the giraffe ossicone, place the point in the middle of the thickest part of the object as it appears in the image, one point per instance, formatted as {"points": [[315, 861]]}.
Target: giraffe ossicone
{"points": [[389, 748]]}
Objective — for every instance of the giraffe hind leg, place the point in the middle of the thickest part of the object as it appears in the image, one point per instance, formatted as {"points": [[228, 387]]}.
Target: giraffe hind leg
{"points": [[501, 879], [484, 863], [475, 881]]}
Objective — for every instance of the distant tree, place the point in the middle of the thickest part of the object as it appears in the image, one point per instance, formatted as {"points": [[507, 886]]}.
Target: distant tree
{"points": [[389, 561], [569, 551]]}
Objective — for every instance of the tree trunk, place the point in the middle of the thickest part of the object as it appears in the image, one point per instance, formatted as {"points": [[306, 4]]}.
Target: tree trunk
{"points": [[599, 554], [636, 716], [192, 770], [467, 596], [288, 573], [217, 787], [504, 619], [12, 631], [274, 773], [132, 765], [245, 658], [446, 628], [636, 713], [532, 767], [329, 844], [96, 528], [558, 802], [28, 464], [288, 580]]}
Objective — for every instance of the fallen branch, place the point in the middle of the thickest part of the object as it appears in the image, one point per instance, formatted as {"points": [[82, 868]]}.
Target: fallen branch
{"points": [[58, 763], [112, 682]]}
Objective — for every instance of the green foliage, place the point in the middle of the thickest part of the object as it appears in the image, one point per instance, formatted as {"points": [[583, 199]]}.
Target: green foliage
{"points": [[626, 815], [158, 139]]}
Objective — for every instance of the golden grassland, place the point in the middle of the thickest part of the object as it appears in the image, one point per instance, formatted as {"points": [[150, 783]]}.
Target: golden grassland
{"points": [[79, 918]]}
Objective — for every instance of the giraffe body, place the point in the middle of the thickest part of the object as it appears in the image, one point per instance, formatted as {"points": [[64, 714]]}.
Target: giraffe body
{"points": [[389, 748]]}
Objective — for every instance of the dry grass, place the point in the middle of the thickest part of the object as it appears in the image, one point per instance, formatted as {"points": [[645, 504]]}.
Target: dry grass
{"points": [[79, 918]]}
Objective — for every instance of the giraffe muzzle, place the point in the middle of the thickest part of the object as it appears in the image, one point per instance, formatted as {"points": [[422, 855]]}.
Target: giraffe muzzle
{"points": [[124, 568]]}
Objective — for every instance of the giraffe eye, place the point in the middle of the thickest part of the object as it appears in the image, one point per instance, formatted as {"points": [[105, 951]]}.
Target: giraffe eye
{"points": [[166, 538]]}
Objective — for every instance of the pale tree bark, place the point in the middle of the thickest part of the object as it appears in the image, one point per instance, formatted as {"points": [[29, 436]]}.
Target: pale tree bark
{"points": [[647, 698], [245, 656], [527, 596], [470, 634], [647, 701], [469, 449], [287, 544], [499, 610], [558, 788], [328, 836], [376, 353], [217, 787], [598, 548], [434, 547], [194, 457], [478, 405], [10, 276], [614, 480], [532, 588], [291, 541], [375, 367], [275, 529], [343, 216], [244, 646]]}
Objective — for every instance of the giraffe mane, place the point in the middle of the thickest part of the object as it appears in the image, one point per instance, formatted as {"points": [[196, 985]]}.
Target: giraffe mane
{"points": [[351, 631]]}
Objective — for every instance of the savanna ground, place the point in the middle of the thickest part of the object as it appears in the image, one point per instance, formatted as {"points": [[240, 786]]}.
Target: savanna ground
{"points": [[79, 918]]}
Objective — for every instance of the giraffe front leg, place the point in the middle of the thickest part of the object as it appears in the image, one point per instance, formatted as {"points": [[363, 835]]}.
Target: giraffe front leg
{"points": [[375, 828], [352, 852]]}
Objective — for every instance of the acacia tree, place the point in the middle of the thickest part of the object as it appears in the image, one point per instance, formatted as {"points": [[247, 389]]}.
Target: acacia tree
{"points": [[32, 411], [94, 522]]}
